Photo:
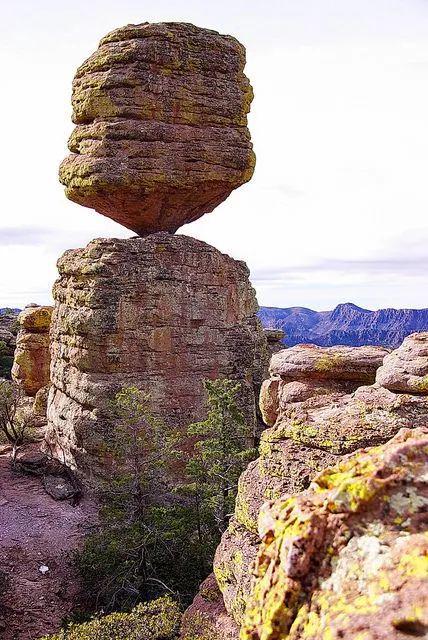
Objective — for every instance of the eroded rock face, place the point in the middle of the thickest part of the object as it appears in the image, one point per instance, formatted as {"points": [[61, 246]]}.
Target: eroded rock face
{"points": [[31, 366], [162, 313], [307, 361], [161, 126], [406, 369], [206, 618], [348, 557], [315, 422]]}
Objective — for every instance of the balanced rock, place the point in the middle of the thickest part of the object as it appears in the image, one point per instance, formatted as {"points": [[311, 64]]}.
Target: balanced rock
{"points": [[31, 366], [161, 136], [406, 369], [162, 313], [348, 557]]}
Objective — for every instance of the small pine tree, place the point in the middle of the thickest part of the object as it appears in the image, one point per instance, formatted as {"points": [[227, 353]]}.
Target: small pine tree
{"points": [[221, 453], [13, 423], [6, 360]]}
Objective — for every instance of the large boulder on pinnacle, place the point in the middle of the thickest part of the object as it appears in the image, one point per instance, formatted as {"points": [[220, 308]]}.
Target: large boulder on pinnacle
{"points": [[161, 126]]}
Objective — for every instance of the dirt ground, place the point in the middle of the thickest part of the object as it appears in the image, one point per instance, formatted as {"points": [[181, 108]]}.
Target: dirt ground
{"points": [[36, 532]]}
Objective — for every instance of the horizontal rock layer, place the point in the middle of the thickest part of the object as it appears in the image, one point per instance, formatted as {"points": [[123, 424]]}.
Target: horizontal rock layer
{"points": [[162, 313], [406, 369], [31, 365], [161, 135]]}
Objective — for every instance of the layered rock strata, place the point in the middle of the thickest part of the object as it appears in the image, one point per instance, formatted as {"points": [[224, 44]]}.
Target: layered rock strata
{"points": [[161, 126], [163, 313], [406, 369], [348, 557], [318, 412], [31, 366]]}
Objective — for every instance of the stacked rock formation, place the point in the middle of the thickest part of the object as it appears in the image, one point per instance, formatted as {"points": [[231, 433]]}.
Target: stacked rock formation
{"points": [[161, 138], [31, 366], [161, 135], [162, 312], [318, 412]]}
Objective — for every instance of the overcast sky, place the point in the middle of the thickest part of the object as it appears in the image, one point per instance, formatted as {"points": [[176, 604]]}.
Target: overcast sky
{"points": [[337, 208]]}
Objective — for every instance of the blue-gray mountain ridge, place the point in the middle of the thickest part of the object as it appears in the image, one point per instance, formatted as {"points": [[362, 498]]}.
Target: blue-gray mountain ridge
{"points": [[347, 324]]}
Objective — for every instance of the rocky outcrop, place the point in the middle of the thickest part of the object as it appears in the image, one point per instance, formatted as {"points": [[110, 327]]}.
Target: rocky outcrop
{"points": [[309, 362], [406, 369], [206, 618], [348, 557], [161, 135], [31, 366], [317, 414], [275, 339], [163, 313]]}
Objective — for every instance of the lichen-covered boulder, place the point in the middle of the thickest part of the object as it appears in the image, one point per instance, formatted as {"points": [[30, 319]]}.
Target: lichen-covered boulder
{"points": [[315, 423], [348, 558], [162, 313], [406, 369], [328, 363], [31, 366], [161, 126]]}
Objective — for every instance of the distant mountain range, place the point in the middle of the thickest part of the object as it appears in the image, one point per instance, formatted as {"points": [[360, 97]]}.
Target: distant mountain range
{"points": [[346, 324]]}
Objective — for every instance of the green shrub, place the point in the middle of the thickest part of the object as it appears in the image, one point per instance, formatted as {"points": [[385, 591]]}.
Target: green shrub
{"points": [[155, 620]]}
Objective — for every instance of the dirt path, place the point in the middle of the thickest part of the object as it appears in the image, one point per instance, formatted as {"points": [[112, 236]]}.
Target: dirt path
{"points": [[36, 531]]}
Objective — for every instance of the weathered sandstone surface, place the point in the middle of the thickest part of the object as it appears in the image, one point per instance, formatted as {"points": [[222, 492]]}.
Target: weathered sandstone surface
{"points": [[307, 361], [315, 420], [163, 313], [406, 369], [161, 126], [275, 339], [207, 618], [348, 557], [31, 366]]}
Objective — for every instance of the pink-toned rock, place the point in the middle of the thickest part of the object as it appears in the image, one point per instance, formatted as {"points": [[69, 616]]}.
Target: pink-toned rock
{"points": [[269, 401], [328, 363], [162, 313], [406, 369], [161, 126], [31, 366], [206, 618], [317, 423]]}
